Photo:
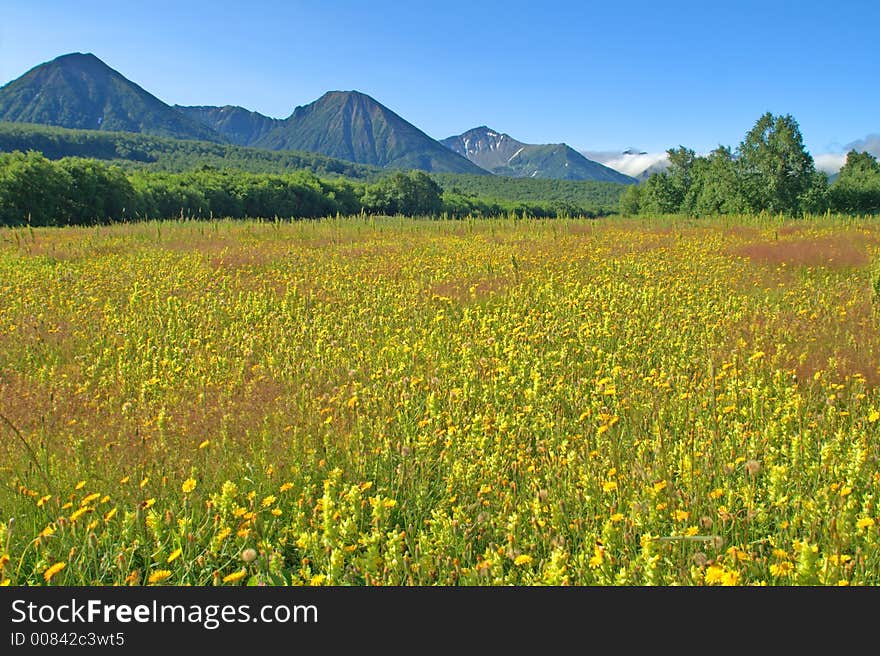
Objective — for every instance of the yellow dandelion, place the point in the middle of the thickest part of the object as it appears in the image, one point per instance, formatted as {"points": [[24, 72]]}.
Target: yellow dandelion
{"points": [[268, 501], [205, 444], [88, 499], [43, 500], [285, 487], [144, 481], [235, 576], [222, 535], [79, 485], [148, 503], [317, 579], [714, 574], [522, 559], [609, 486], [159, 575], [53, 570], [4, 583], [49, 530], [781, 569], [188, 485], [75, 515], [110, 514], [174, 555], [730, 578], [681, 515], [865, 522], [276, 512], [124, 480], [4, 559], [874, 416]]}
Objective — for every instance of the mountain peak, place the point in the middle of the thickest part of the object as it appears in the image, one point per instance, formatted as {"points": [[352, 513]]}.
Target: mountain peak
{"points": [[499, 153], [77, 56], [78, 90], [353, 126]]}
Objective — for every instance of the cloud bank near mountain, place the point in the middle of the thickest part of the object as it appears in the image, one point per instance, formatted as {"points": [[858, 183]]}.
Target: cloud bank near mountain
{"points": [[629, 162]]}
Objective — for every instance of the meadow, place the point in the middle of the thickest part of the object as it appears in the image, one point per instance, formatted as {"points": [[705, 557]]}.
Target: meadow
{"points": [[398, 401]]}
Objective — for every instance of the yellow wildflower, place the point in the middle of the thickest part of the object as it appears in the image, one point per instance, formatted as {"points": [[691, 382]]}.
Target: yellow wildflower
{"points": [[158, 576], [53, 570], [235, 576]]}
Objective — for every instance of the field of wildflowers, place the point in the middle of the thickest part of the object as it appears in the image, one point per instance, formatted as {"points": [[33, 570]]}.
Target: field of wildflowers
{"points": [[412, 402]]}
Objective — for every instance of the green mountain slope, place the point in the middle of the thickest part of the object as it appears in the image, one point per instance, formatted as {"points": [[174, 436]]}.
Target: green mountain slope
{"points": [[80, 91], [235, 124], [501, 154], [351, 125], [165, 154]]}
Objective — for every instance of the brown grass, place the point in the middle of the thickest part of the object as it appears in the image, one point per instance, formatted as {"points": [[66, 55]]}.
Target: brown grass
{"points": [[836, 252]]}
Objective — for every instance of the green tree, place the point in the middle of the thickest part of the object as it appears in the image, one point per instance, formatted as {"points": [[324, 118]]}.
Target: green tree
{"points": [[717, 186], [659, 195], [682, 162], [412, 194], [96, 193], [629, 200], [857, 188], [32, 189], [774, 167]]}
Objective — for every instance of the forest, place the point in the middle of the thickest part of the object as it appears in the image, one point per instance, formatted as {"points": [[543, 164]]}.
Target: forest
{"points": [[770, 171], [35, 190]]}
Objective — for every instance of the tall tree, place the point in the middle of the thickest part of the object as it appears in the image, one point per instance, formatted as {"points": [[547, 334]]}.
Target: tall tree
{"points": [[857, 188], [775, 168], [717, 187]]}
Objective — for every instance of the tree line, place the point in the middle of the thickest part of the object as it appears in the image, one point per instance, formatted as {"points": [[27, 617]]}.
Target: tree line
{"points": [[79, 191], [133, 150], [770, 171]]}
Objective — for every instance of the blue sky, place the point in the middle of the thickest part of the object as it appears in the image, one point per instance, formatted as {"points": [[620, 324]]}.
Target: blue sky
{"points": [[598, 76]]}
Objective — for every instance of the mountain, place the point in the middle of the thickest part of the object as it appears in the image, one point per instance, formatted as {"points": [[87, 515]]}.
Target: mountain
{"points": [[132, 150], [80, 91], [501, 154], [353, 126], [235, 124]]}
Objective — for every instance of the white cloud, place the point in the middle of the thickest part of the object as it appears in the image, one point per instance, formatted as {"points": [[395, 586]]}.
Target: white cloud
{"points": [[870, 144], [829, 162], [833, 162], [636, 163], [629, 164]]}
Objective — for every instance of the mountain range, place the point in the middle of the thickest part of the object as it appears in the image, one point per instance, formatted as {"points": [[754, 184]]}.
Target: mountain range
{"points": [[80, 91], [236, 125], [501, 154]]}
